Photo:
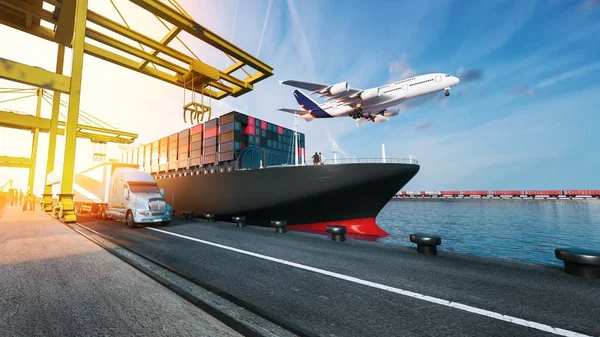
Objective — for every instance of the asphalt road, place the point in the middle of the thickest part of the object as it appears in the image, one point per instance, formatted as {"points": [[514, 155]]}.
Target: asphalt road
{"points": [[330, 306]]}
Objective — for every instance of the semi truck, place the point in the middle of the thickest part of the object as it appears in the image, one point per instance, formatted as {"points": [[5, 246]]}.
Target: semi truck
{"points": [[119, 191]]}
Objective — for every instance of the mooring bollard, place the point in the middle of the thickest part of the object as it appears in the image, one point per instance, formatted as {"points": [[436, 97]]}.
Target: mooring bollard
{"points": [[239, 220], [187, 215], [426, 244], [210, 217], [280, 226], [338, 233], [580, 262]]}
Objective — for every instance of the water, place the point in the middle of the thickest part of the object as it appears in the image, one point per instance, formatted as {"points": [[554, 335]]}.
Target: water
{"points": [[527, 231]]}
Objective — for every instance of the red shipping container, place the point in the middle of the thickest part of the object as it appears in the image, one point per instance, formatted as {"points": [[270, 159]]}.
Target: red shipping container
{"points": [[249, 130], [280, 130], [250, 120], [422, 192], [197, 128], [263, 125], [210, 133]]}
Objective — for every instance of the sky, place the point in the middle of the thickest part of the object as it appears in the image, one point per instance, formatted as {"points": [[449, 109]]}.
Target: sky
{"points": [[524, 116]]}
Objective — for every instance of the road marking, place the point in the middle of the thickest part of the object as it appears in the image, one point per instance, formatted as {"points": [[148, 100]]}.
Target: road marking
{"points": [[456, 305]]}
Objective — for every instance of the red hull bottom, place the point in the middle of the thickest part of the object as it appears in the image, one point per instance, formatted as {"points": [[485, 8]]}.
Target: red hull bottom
{"points": [[364, 226]]}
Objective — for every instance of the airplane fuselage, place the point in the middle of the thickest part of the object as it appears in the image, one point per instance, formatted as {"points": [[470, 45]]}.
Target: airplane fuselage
{"points": [[393, 94]]}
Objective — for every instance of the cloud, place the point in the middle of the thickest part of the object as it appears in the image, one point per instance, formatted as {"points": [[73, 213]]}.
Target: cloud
{"points": [[526, 90], [298, 24], [469, 75], [401, 69], [262, 34], [589, 5], [422, 127], [523, 90], [568, 74]]}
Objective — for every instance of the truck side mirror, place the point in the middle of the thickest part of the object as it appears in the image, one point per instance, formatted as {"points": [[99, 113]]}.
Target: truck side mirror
{"points": [[162, 192], [126, 193]]}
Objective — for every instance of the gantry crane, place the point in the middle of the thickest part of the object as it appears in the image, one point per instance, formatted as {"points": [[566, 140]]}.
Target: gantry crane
{"points": [[70, 18], [99, 134]]}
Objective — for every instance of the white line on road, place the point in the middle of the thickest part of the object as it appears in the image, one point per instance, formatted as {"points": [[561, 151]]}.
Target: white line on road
{"points": [[483, 312]]}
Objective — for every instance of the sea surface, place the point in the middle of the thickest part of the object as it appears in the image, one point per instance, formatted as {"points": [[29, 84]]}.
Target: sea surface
{"points": [[526, 231]]}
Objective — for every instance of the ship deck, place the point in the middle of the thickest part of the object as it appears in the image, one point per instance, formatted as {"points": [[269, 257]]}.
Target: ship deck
{"points": [[358, 288]]}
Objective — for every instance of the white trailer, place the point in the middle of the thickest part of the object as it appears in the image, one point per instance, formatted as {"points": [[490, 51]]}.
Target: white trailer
{"points": [[122, 192]]}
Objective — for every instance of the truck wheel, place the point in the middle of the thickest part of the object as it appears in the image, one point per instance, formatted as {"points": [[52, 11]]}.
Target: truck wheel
{"points": [[129, 220], [103, 214]]}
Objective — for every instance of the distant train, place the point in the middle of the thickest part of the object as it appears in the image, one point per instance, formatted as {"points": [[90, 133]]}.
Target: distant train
{"points": [[507, 193]]}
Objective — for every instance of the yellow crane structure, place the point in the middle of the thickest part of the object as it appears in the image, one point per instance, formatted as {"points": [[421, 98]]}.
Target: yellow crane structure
{"points": [[101, 134], [7, 193], [70, 20]]}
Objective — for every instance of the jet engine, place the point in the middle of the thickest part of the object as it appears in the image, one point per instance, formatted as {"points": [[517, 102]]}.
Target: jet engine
{"points": [[370, 93], [390, 112], [447, 92], [380, 119], [339, 88]]}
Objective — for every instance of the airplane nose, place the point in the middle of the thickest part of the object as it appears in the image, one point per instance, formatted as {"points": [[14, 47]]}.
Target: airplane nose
{"points": [[456, 80]]}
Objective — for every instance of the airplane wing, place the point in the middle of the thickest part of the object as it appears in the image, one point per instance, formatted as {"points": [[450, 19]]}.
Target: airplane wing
{"points": [[293, 111], [323, 90]]}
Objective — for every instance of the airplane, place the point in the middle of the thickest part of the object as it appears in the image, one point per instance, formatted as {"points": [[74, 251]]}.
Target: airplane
{"points": [[375, 104]]}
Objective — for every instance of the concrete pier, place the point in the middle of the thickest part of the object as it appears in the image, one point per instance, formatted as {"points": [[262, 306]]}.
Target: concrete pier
{"points": [[55, 282], [358, 288]]}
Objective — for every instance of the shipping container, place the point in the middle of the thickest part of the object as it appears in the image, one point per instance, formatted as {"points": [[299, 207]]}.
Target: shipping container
{"points": [[184, 133], [231, 136], [196, 129], [195, 154], [196, 162], [230, 146], [197, 146], [227, 156], [210, 150], [227, 118], [196, 137], [210, 159], [211, 124], [210, 142], [209, 133], [223, 139]]}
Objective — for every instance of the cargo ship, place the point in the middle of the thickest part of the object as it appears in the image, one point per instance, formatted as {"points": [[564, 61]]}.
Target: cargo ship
{"points": [[238, 165]]}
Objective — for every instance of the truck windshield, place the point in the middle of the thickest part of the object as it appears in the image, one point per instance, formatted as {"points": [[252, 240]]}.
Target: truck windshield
{"points": [[135, 188]]}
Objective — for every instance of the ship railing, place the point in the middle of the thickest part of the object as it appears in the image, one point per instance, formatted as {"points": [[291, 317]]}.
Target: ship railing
{"points": [[371, 161], [356, 161]]}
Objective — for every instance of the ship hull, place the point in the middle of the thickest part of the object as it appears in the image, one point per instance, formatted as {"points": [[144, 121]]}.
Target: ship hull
{"points": [[307, 197]]}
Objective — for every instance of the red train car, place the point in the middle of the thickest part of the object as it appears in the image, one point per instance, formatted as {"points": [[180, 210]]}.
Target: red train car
{"points": [[480, 193], [513, 193], [551, 193], [573, 193], [452, 193]]}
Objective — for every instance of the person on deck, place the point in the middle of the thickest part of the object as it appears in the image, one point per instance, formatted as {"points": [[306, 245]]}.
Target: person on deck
{"points": [[316, 158]]}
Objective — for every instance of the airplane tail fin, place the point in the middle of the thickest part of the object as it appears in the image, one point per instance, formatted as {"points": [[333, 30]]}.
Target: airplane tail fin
{"points": [[305, 102]]}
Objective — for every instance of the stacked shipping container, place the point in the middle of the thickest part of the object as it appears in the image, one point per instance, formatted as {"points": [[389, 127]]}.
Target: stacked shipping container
{"points": [[219, 141]]}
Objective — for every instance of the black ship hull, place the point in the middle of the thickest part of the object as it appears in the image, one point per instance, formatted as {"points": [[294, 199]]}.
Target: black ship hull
{"points": [[307, 197]]}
